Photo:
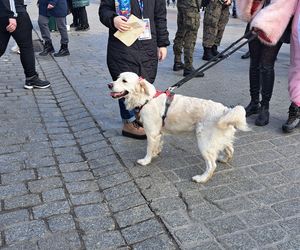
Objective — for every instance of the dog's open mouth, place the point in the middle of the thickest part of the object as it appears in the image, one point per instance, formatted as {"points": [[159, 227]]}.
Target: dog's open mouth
{"points": [[118, 94]]}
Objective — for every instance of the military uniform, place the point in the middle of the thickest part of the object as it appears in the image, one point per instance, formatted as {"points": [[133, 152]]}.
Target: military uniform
{"points": [[215, 19], [188, 23]]}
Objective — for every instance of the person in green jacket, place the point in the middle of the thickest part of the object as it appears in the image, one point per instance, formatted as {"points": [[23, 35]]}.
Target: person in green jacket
{"points": [[79, 7]]}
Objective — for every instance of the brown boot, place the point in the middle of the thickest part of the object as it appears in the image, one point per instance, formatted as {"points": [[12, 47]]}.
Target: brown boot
{"points": [[134, 130]]}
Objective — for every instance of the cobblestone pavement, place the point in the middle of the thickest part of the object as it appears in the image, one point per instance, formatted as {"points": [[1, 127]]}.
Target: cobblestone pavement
{"points": [[69, 179]]}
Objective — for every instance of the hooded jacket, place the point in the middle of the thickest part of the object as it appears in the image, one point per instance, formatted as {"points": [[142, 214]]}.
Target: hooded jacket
{"points": [[60, 8], [141, 56], [11, 8], [270, 21]]}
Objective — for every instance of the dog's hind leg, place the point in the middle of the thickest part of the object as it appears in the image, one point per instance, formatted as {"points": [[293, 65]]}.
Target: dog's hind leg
{"points": [[158, 147], [229, 151], [152, 144], [210, 168]]}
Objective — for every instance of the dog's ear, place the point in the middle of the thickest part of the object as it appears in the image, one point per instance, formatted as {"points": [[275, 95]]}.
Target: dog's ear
{"points": [[144, 86]]}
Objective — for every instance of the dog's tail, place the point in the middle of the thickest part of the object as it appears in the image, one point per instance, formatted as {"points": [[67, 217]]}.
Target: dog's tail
{"points": [[235, 117]]}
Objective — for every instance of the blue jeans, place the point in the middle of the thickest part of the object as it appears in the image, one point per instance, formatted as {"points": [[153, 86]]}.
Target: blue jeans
{"points": [[126, 115]]}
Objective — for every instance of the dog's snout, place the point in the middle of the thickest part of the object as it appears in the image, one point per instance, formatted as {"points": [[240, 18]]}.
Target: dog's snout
{"points": [[110, 85]]}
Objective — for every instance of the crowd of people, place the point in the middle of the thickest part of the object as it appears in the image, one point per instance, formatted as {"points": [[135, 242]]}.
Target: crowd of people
{"points": [[150, 47]]}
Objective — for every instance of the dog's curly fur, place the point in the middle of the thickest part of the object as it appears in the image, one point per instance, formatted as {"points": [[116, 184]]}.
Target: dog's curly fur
{"points": [[213, 123]]}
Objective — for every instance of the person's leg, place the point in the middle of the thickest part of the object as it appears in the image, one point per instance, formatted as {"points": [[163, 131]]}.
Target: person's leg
{"points": [[83, 20], [178, 42], [255, 47], [45, 32], [23, 37], [4, 35], [64, 39], [268, 58]]}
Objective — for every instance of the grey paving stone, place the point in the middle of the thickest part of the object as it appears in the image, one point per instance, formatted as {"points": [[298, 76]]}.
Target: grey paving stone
{"points": [[82, 187], [97, 224], [158, 242], [209, 245], [292, 174], [246, 186], [69, 158], [7, 191], [225, 225], [104, 241], [41, 162], [72, 167], [133, 215], [78, 176], [266, 197], [86, 198], [44, 184], [25, 231], [48, 209], [287, 208], [62, 222], [289, 191], [205, 211], [120, 190], [107, 169], [292, 244], [267, 234], [267, 168], [47, 172], [142, 231], [165, 205], [63, 143], [236, 204], [72, 150], [276, 179], [260, 217], [113, 180], [188, 172], [10, 167], [69, 240], [27, 200], [217, 193], [126, 202], [191, 234], [8, 219], [94, 210], [53, 195], [176, 218], [240, 241], [292, 226], [24, 245]]}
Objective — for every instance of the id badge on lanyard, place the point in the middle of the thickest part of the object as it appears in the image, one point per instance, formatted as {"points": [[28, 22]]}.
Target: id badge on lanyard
{"points": [[146, 35]]}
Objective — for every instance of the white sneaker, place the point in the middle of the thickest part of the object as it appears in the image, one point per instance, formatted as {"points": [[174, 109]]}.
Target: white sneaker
{"points": [[15, 49]]}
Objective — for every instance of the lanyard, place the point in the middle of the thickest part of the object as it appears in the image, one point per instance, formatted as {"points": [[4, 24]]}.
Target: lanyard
{"points": [[141, 4]]}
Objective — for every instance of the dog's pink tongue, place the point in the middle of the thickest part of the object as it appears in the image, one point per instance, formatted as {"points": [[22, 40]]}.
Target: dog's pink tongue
{"points": [[114, 94]]}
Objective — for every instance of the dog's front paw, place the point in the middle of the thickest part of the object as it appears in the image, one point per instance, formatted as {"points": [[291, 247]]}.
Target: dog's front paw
{"points": [[143, 161], [200, 178]]}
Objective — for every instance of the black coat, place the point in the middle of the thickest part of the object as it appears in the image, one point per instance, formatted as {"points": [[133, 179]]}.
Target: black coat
{"points": [[141, 56]]}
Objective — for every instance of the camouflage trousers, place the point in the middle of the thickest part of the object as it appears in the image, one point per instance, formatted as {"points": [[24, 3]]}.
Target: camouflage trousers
{"points": [[215, 19], [188, 23]]}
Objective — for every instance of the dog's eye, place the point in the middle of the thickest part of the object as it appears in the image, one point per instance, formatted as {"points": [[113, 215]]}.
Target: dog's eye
{"points": [[124, 81]]}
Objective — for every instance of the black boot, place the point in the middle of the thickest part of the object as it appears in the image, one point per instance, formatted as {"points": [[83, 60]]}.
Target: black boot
{"points": [[36, 82], [208, 54], [178, 66], [48, 48], [252, 108], [216, 52], [263, 117], [190, 70], [246, 55], [294, 119], [64, 51]]}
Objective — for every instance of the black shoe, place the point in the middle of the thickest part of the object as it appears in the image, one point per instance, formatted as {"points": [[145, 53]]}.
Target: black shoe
{"points": [[82, 28], [64, 51], [190, 71], [246, 55], [72, 25], [293, 120], [48, 49], [215, 51], [234, 15], [252, 108], [36, 82], [263, 117], [208, 54], [178, 66]]}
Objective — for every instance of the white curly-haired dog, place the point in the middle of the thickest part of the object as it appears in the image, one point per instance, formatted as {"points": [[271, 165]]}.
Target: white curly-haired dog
{"points": [[213, 123]]}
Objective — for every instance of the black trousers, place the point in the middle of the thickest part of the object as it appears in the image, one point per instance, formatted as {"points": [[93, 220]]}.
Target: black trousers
{"points": [[23, 37], [82, 15]]}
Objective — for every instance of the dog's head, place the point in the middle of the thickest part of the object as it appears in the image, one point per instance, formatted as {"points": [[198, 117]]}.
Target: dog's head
{"points": [[133, 88]]}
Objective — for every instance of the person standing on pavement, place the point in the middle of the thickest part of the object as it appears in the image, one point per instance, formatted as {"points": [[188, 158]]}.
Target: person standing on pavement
{"points": [[143, 55], [188, 23], [59, 10], [270, 20], [79, 8], [15, 22], [216, 17]]}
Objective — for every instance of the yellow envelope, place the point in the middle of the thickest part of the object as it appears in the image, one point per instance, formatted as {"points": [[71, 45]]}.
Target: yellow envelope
{"points": [[137, 27]]}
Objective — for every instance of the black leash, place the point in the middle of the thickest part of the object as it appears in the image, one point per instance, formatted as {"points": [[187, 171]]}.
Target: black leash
{"points": [[216, 59]]}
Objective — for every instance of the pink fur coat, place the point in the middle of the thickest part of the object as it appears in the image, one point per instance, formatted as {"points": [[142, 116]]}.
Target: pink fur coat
{"points": [[271, 21]]}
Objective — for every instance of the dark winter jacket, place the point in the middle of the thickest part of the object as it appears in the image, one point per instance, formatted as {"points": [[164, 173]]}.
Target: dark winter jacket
{"points": [[60, 8], [141, 56], [80, 3], [10, 8]]}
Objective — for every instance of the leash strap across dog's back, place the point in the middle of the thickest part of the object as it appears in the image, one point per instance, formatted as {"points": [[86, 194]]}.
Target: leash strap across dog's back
{"points": [[216, 59]]}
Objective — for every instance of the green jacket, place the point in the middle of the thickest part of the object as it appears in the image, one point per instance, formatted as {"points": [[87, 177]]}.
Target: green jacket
{"points": [[80, 3]]}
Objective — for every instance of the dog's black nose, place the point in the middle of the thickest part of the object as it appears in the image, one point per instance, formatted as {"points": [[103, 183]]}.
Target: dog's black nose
{"points": [[110, 85]]}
